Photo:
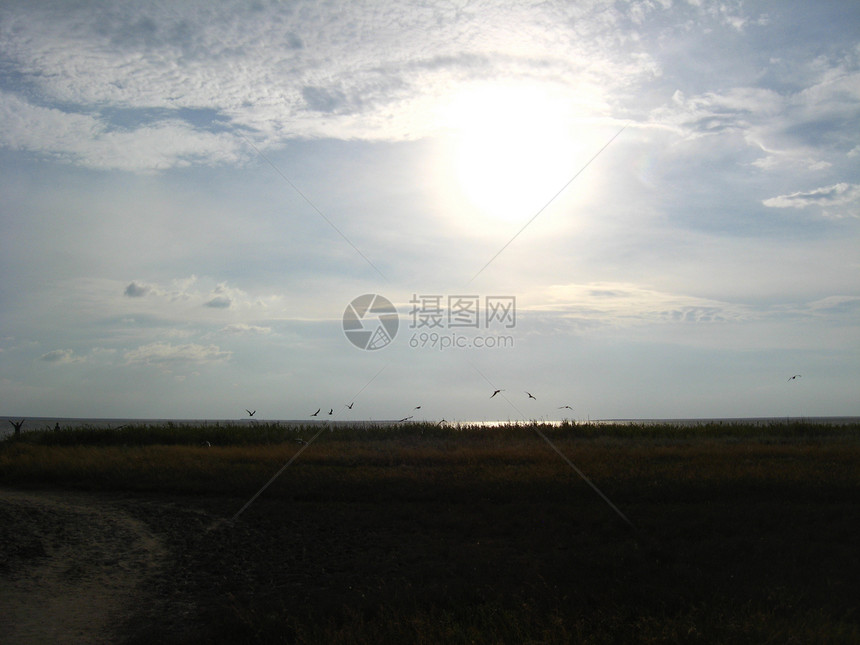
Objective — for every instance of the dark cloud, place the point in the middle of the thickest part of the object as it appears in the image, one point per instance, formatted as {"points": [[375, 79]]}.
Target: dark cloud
{"points": [[135, 290], [145, 32], [321, 99], [293, 41], [129, 119], [219, 302]]}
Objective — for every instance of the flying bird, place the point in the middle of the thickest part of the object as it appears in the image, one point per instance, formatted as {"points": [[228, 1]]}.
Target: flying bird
{"points": [[561, 407], [331, 411], [317, 412], [404, 419], [794, 377], [250, 413], [531, 396], [495, 393], [349, 407], [417, 407]]}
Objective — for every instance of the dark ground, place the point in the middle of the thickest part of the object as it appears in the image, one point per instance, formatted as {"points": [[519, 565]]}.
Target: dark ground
{"points": [[725, 550], [767, 566]]}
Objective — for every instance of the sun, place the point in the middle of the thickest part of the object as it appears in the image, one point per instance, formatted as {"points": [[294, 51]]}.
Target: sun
{"points": [[513, 147]]}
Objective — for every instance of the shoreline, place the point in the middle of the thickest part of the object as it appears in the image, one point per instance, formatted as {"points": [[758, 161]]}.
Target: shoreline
{"points": [[48, 423]]}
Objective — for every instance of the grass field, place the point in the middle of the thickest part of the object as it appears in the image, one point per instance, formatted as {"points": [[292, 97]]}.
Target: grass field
{"points": [[428, 534]]}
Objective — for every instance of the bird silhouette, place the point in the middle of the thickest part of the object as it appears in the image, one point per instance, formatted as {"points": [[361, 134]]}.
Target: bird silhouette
{"points": [[531, 396], [417, 407], [250, 413], [561, 407], [349, 407], [331, 411], [404, 419], [317, 412], [495, 393], [794, 377]]}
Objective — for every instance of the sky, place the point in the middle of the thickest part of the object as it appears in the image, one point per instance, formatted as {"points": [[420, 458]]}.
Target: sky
{"points": [[635, 208]]}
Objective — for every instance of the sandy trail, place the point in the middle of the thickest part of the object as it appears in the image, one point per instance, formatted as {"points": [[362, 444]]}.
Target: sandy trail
{"points": [[72, 567]]}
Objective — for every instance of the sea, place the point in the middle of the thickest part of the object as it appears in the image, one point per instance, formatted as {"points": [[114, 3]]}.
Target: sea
{"points": [[66, 423]]}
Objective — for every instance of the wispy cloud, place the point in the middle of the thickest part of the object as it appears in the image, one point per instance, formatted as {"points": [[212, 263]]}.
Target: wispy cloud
{"points": [[192, 291], [87, 140], [168, 356], [838, 200], [624, 304], [714, 113], [792, 115], [60, 356], [243, 328], [839, 304]]}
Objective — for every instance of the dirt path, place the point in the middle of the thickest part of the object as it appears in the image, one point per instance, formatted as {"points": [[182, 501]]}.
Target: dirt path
{"points": [[72, 567]]}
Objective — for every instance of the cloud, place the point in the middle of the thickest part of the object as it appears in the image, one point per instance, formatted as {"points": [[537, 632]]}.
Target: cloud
{"points": [[135, 290], [828, 197], [182, 289], [797, 112], [324, 100], [89, 141], [219, 302], [624, 304], [714, 113], [191, 296], [242, 328], [146, 88], [224, 296], [60, 356], [836, 305], [166, 355]]}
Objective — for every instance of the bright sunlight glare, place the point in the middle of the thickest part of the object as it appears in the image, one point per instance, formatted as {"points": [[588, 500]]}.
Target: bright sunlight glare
{"points": [[514, 147]]}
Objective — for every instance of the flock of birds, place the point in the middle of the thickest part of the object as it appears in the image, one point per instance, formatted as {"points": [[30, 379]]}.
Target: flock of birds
{"points": [[418, 407], [251, 413]]}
